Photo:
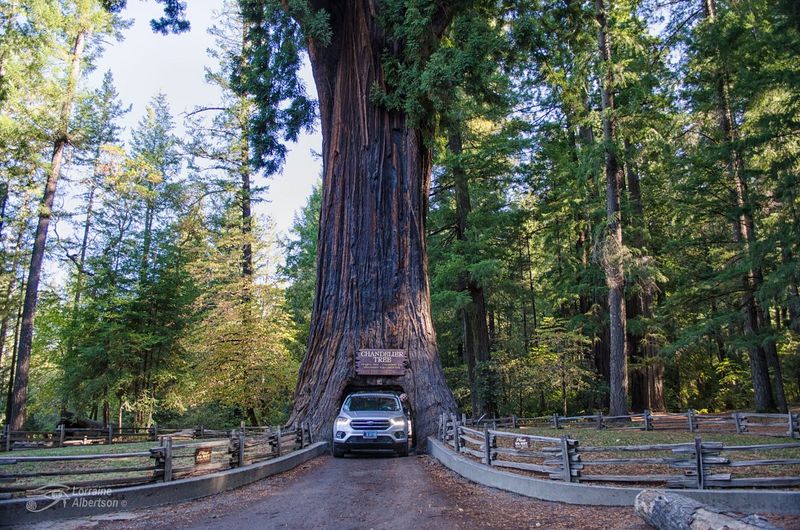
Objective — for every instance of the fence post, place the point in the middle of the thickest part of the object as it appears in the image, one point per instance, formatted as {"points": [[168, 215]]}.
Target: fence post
{"points": [[240, 455], [599, 419], [110, 434], [648, 420], [278, 441], [565, 460], [8, 437], [302, 436], [168, 459], [513, 421], [737, 420], [487, 445], [690, 418], [202, 431], [791, 425], [555, 421], [61, 435], [698, 459], [456, 438]]}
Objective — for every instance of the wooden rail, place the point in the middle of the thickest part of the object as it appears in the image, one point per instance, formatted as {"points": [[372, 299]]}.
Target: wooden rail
{"points": [[67, 436], [170, 460], [738, 422], [697, 464]]}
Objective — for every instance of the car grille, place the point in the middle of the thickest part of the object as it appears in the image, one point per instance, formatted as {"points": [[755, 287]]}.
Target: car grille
{"points": [[369, 425]]}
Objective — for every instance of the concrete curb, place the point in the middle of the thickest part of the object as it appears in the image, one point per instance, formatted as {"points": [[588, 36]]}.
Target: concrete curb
{"points": [[754, 501], [16, 511]]}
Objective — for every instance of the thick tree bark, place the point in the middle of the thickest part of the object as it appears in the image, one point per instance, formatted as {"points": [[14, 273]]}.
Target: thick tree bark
{"points": [[744, 235], [647, 385], [372, 278], [475, 332], [20, 397], [612, 260]]}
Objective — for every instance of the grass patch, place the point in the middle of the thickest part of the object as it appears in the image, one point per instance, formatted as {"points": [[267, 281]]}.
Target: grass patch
{"points": [[733, 464]]}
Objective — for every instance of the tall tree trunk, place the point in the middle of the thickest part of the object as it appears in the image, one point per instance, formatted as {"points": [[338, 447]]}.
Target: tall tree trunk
{"points": [[647, 386], [3, 204], [531, 290], [744, 236], [612, 259], [10, 304], [473, 317], [20, 395], [87, 225], [372, 281], [245, 174], [13, 365], [793, 301]]}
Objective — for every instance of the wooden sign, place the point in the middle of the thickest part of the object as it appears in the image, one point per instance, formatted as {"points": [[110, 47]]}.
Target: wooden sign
{"points": [[381, 362], [202, 455], [522, 443]]}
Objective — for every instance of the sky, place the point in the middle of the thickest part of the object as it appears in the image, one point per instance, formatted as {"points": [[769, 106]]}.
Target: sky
{"points": [[145, 63]]}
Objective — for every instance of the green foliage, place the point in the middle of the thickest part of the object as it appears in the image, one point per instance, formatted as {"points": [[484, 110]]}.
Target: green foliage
{"points": [[300, 268], [159, 318]]}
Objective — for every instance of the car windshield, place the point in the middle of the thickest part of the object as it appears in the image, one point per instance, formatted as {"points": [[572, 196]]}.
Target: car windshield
{"points": [[359, 403]]}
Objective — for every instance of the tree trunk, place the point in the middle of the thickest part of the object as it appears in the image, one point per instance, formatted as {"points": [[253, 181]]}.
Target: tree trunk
{"points": [[744, 236], [647, 384], [372, 279], [20, 394], [87, 226], [13, 365], [612, 259], [3, 204], [671, 511], [473, 317], [251, 416], [10, 303]]}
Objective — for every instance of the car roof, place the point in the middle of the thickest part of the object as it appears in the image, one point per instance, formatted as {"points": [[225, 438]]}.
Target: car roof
{"points": [[386, 393]]}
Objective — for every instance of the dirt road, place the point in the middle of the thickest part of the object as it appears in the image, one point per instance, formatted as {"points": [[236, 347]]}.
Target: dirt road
{"points": [[364, 493]]}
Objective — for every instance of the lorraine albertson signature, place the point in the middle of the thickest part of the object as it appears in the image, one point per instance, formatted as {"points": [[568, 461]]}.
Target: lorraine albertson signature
{"points": [[52, 494]]}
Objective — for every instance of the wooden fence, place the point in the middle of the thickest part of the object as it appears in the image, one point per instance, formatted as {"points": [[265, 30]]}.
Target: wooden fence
{"points": [[63, 436], [165, 462], [696, 464], [690, 421]]}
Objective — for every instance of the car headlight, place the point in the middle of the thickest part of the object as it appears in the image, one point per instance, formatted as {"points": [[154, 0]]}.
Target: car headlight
{"points": [[398, 422], [341, 421]]}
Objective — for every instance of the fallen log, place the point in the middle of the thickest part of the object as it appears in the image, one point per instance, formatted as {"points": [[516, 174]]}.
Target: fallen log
{"points": [[670, 511]]}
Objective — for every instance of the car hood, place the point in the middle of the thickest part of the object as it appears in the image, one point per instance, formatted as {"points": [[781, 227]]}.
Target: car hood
{"points": [[370, 414]]}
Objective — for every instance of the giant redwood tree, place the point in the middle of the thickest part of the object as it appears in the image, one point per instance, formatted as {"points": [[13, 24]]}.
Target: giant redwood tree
{"points": [[372, 283], [370, 60]]}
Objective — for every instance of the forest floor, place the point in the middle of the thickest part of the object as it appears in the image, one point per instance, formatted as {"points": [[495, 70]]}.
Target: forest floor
{"points": [[370, 492]]}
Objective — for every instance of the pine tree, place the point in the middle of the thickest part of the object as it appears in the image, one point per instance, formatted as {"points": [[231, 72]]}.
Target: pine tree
{"points": [[82, 20]]}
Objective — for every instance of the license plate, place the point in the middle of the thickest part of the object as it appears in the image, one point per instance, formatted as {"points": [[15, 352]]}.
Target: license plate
{"points": [[370, 435]]}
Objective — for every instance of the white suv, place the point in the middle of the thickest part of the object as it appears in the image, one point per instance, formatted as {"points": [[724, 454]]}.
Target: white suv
{"points": [[369, 421]]}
